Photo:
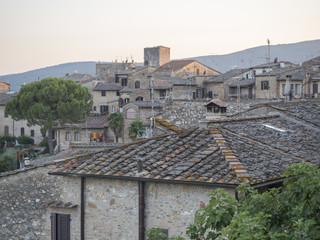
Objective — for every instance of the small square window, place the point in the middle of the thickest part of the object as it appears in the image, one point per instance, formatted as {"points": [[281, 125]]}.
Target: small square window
{"points": [[103, 93]]}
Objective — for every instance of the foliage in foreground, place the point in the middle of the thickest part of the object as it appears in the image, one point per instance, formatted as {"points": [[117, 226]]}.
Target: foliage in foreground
{"points": [[157, 234], [272, 215], [8, 161]]}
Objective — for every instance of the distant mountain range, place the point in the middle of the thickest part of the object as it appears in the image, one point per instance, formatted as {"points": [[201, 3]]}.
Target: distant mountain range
{"points": [[294, 52]]}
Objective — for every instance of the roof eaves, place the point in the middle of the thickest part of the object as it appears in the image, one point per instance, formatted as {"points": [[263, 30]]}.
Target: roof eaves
{"points": [[141, 179]]}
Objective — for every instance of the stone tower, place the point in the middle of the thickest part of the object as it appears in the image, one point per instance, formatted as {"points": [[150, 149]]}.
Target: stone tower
{"points": [[156, 56]]}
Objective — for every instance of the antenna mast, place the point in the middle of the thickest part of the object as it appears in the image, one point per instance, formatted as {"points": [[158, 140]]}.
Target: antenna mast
{"points": [[152, 107]]}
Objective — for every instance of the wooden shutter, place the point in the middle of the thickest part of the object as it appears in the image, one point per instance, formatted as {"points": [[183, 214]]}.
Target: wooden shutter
{"points": [[63, 223], [53, 226]]}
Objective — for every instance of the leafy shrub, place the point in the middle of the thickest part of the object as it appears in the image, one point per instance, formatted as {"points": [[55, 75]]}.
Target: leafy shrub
{"points": [[25, 140], [8, 162], [157, 234], [9, 139]]}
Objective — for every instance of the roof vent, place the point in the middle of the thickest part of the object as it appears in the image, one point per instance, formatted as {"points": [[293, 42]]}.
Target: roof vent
{"points": [[139, 165]]}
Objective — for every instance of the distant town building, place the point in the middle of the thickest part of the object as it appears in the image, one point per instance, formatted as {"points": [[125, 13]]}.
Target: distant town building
{"points": [[156, 56]]}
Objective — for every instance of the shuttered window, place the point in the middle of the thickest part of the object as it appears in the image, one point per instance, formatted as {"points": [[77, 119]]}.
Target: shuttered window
{"points": [[60, 226]]}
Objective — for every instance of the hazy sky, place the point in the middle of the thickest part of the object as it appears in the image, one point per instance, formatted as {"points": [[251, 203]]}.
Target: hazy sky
{"points": [[41, 33]]}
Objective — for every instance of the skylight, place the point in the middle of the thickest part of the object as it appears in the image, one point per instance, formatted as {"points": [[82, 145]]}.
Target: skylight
{"points": [[275, 128]]}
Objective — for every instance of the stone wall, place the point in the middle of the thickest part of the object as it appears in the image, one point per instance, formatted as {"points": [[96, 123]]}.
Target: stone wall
{"points": [[173, 207], [23, 198], [187, 114], [184, 114], [111, 206]]}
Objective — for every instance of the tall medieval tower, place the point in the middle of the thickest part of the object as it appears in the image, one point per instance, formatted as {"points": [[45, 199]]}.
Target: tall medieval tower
{"points": [[156, 56]]}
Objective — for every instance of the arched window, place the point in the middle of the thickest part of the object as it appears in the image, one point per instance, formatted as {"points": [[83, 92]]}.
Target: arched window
{"points": [[22, 131], [137, 84], [6, 130], [139, 99], [131, 113]]}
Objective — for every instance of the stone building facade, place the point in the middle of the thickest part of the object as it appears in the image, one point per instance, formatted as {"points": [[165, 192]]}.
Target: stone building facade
{"points": [[4, 87], [10, 127], [111, 206]]}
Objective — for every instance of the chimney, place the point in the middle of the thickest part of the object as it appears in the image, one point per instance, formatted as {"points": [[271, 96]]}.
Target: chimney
{"points": [[139, 165]]}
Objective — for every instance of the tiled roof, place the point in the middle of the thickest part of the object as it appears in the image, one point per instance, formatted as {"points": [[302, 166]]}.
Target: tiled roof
{"points": [[92, 122], [218, 102], [191, 157], [293, 140], [278, 71], [226, 76], [147, 104], [95, 122], [167, 125], [126, 90], [228, 154], [300, 75], [173, 66], [243, 83], [5, 98], [107, 87]]}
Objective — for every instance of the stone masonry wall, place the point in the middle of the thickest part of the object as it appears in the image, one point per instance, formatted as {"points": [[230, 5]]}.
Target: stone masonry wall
{"points": [[111, 206], [23, 199], [184, 114], [173, 207]]}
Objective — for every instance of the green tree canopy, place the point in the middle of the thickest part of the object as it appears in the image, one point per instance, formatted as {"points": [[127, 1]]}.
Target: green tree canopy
{"points": [[285, 213], [49, 103], [136, 128], [274, 214], [116, 123]]}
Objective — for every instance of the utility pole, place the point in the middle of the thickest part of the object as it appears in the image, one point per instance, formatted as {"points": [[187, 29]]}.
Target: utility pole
{"points": [[269, 69]]}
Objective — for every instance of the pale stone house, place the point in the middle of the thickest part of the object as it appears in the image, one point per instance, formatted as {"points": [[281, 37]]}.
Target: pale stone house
{"points": [[313, 64], [10, 127], [267, 86], [222, 86], [4, 87], [95, 129], [106, 97], [184, 69]]}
